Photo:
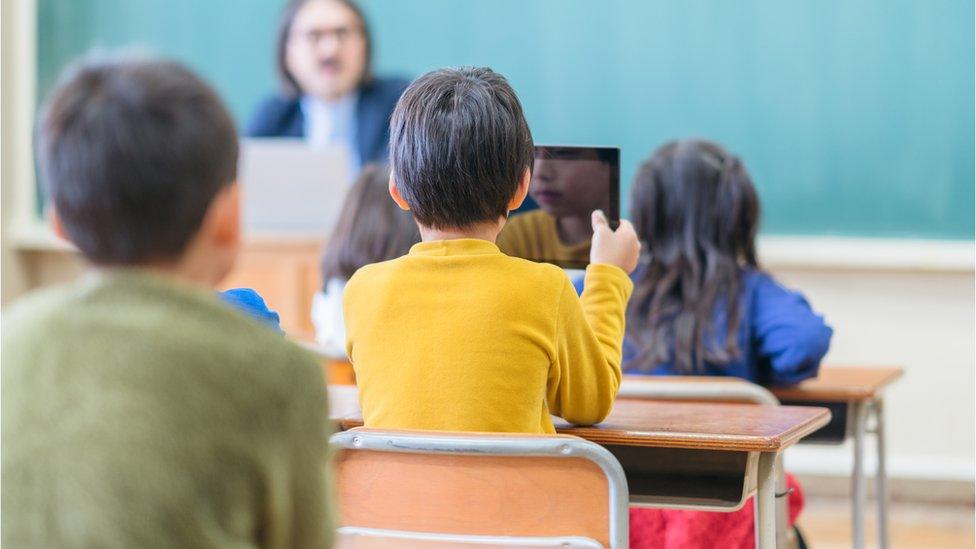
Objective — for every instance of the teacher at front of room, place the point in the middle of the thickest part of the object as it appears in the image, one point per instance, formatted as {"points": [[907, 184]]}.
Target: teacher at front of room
{"points": [[329, 95]]}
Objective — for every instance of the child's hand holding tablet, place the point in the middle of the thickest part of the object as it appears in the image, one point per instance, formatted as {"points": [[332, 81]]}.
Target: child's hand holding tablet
{"points": [[620, 247]]}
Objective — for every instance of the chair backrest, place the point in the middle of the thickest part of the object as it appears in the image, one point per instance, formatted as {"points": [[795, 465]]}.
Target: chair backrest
{"points": [[351, 537], [480, 488], [695, 388]]}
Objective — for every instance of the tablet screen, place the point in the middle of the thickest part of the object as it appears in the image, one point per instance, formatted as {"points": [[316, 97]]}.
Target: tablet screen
{"points": [[568, 183]]}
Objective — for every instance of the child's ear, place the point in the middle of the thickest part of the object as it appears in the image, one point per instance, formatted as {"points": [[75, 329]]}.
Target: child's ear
{"points": [[522, 192], [225, 216], [56, 225], [395, 195]]}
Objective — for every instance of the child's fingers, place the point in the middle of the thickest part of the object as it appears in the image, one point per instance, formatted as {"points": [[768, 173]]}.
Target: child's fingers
{"points": [[599, 220], [626, 227]]}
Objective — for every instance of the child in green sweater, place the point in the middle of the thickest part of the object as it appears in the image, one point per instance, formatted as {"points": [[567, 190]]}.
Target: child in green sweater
{"points": [[138, 410]]}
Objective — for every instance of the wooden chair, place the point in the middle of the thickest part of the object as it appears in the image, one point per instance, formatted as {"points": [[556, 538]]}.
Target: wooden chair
{"points": [[436, 488]]}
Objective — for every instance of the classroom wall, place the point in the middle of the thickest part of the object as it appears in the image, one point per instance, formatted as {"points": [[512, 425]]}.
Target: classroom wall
{"points": [[923, 321], [17, 90]]}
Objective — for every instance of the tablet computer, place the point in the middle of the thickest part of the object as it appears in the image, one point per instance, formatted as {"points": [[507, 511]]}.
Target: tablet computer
{"points": [[568, 183]]}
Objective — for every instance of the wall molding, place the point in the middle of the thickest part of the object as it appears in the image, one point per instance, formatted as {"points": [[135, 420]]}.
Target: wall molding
{"points": [[838, 461], [18, 88], [857, 253], [776, 252]]}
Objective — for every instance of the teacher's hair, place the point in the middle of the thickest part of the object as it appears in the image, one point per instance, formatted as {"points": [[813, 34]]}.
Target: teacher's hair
{"points": [[288, 83]]}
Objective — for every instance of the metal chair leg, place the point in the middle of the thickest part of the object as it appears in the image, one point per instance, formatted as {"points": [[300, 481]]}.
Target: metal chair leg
{"points": [[858, 488], [881, 476]]}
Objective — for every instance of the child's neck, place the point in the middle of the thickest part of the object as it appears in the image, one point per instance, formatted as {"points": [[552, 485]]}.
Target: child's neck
{"points": [[482, 231], [204, 268]]}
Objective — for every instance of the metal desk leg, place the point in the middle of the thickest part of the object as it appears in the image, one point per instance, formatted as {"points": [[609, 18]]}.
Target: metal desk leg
{"points": [[766, 501], [881, 476], [784, 534], [857, 479]]}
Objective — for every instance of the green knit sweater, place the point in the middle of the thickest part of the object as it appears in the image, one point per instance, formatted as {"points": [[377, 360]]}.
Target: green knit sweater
{"points": [[140, 413]]}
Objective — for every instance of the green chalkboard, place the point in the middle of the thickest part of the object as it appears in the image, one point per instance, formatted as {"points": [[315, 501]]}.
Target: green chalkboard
{"points": [[229, 42], [855, 117]]}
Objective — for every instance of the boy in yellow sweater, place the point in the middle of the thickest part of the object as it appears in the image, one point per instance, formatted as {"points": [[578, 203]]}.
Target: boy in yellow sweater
{"points": [[456, 335]]}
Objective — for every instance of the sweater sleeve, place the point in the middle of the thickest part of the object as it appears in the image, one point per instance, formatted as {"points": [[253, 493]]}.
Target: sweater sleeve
{"points": [[585, 375], [788, 333]]}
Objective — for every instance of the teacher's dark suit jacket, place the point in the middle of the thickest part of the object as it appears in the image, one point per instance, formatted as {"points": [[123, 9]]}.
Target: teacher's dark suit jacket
{"points": [[279, 116]]}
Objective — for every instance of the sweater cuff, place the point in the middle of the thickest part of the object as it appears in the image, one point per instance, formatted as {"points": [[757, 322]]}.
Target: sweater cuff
{"points": [[604, 273]]}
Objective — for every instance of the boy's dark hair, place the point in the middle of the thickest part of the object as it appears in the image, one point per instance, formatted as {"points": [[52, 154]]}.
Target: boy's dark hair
{"points": [[132, 151], [370, 229], [459, 146], [289, 86], [696, 212]]}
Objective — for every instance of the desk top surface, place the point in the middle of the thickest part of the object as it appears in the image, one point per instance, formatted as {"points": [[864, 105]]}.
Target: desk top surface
{"points": [[833, 384], [706, 426], [841, 384]]}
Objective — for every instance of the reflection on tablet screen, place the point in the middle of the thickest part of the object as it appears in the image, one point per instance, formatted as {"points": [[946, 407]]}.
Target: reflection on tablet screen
{"points": [[568, 183]]}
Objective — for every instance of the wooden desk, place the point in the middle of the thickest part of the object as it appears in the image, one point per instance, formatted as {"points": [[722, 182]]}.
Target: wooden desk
{"points": [[841, 384], [681, 455], [853, 395], [706, 426]]}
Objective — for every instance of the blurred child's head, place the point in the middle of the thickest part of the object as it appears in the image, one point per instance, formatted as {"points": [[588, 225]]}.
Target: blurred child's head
{"points": [[139, 159], [692, 198], [371, 228], [573, 188], [696, 212], [460, 148]]}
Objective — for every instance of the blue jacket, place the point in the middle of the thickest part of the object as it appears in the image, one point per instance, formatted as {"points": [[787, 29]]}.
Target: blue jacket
{"points": [[279, 116], [781, 340]]}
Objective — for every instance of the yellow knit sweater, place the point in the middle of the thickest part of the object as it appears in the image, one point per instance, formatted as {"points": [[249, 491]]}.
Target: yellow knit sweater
{"points": [[458, 336], [534, 236]]}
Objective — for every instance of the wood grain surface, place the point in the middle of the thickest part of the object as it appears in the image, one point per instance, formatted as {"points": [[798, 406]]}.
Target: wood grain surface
{"points": [[841, 384], [739, 427], [473, 494]]}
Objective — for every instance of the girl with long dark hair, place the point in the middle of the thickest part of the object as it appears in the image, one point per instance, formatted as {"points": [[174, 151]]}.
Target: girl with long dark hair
{"points": [[702, 305], [370, 229]]}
